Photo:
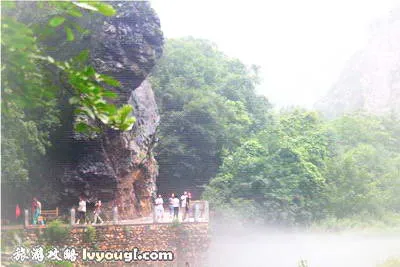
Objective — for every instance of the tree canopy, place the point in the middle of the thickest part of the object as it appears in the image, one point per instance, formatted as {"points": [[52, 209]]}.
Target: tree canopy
{"points": [[207, 103]]}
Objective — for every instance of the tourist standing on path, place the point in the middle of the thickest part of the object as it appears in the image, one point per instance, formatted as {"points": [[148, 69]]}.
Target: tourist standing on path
{"points": [[81, 210], [159, 208], [171, 206], [97, 211], [184, 206], [175, 204], [36, 209], [188, 211]]}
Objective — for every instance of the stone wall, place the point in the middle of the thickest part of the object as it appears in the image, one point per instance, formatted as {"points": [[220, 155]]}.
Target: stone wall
{"points": [[188, 241]]}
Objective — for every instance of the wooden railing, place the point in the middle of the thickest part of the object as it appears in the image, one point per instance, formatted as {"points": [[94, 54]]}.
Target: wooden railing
{"points": [[49, 214], [45, 216]]}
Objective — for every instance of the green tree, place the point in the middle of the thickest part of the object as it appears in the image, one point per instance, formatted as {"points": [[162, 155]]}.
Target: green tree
{"points": [[279, 173], [208, 104], [364, 173]]}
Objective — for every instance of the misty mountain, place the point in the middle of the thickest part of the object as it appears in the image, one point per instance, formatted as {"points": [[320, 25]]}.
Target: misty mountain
{"points": [[370, 80]]}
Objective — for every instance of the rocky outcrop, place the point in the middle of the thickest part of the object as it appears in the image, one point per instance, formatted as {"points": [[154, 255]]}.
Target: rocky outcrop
{"points": [[119, 167], [128, 44], [370, 80]]}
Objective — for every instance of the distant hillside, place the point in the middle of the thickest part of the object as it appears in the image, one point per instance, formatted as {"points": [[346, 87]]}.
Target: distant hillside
{"points": [[370, 80]]}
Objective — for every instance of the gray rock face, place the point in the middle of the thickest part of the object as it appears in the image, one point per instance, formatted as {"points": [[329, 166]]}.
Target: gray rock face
{"points": [[119, 168], [128, 44], [370, 81]]}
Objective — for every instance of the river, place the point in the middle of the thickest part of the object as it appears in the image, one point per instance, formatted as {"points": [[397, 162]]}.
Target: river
{"points": [[279, 249]]}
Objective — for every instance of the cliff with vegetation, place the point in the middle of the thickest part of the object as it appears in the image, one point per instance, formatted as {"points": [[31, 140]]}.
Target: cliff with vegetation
{"points": [[119, 167], [85, 124], [370, 80]]}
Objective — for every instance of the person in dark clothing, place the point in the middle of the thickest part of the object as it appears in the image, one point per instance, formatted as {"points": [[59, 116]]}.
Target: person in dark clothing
{"points": [[175, 204]]}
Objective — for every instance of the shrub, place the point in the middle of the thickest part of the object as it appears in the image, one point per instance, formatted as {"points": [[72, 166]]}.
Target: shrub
{"points": [[63, 264], [175, 224], [393, 262], [302, 263], [56, 232], [89, 235]]}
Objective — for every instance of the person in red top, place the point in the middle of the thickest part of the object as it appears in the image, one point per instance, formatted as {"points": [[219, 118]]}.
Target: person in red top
{"points": [[17, 212], [97, 211]]}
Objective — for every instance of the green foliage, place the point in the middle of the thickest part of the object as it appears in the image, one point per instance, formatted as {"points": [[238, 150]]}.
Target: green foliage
{"points": [[89, 235], [361, 222], [102, 8], [303, 263], [207, 103], [364, 174], [301, 169], [56, 21], [277, 175], [393, 262], [63, 264], [56, 232], [34, 85], [175, 224], [56, 263], [93, 112]]}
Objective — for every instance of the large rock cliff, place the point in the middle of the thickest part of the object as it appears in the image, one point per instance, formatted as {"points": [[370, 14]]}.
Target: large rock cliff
{"points": [[119, 167], [370, 80]]}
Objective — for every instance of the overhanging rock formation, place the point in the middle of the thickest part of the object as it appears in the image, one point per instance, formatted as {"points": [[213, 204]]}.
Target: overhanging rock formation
{"points": [[119, 168]]}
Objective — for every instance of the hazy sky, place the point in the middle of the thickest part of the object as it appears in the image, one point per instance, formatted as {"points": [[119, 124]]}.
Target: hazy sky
{"points": [[301, 46]]}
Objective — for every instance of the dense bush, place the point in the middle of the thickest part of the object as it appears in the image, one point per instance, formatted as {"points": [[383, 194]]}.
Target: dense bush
{"points": [[56, 232], [89, 235], [394, 262]]}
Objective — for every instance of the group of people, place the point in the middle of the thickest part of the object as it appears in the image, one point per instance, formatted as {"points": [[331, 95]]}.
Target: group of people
{"points": [[81, 215], [176, 206]]}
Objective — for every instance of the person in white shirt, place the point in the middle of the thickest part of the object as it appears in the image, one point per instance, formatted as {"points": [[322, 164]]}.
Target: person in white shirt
{"points": [[171, 206], [184, 206], [81, 210], [159, 208], [175, 204]]}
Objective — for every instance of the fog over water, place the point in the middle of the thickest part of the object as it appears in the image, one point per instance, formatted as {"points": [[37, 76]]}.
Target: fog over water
{"points": [[277, 248]]}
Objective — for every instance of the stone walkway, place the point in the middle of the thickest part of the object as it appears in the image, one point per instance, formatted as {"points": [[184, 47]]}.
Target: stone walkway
{"points": [[143, 220]]}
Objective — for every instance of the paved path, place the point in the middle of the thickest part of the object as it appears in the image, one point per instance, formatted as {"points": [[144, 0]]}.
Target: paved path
{"points": [[142, 220]]}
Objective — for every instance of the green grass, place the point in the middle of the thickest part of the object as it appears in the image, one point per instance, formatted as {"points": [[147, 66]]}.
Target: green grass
{"points": [[392, 262], [363, 223]]}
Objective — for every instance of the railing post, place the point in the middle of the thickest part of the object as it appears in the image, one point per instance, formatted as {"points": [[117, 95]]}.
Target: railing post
{"points": [[72, 219], [115, 214], [154, 214], [196, 211], [26, 214], [206, 211]]}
